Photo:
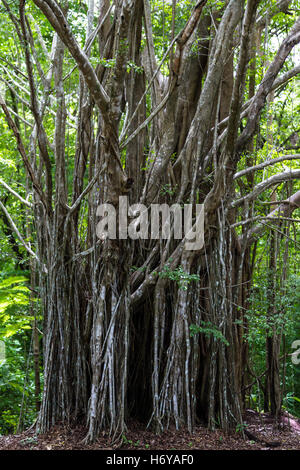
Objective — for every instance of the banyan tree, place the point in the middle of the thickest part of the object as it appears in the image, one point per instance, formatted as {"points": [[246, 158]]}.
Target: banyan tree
{"points": [[99, 109]]}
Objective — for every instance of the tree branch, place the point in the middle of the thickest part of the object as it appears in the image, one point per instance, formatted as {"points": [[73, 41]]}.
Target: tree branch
{"points": [[27, 203], [58, 21], [41, 134], [22, 150], [261, 187], [14, 227], [265, 87], [285, 209], [267, 163]]}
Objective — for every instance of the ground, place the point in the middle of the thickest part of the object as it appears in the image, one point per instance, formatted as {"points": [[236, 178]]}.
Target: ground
{"points": [[258, 426]]}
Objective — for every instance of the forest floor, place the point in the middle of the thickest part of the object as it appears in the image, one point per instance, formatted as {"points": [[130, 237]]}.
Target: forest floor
{"points": [[261, 435]]}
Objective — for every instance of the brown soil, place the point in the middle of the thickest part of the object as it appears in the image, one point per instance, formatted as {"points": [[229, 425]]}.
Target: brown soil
{"points": [[286, 437]]}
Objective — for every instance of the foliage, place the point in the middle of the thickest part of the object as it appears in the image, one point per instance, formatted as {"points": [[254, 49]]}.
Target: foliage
{"points": [[13, 299], [16, 385], [208, 329], [286, 322], [181, 277], [17, 406]]}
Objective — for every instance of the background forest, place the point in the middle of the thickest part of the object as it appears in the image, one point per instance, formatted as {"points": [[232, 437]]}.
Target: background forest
{"points": [[49, 116]]}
